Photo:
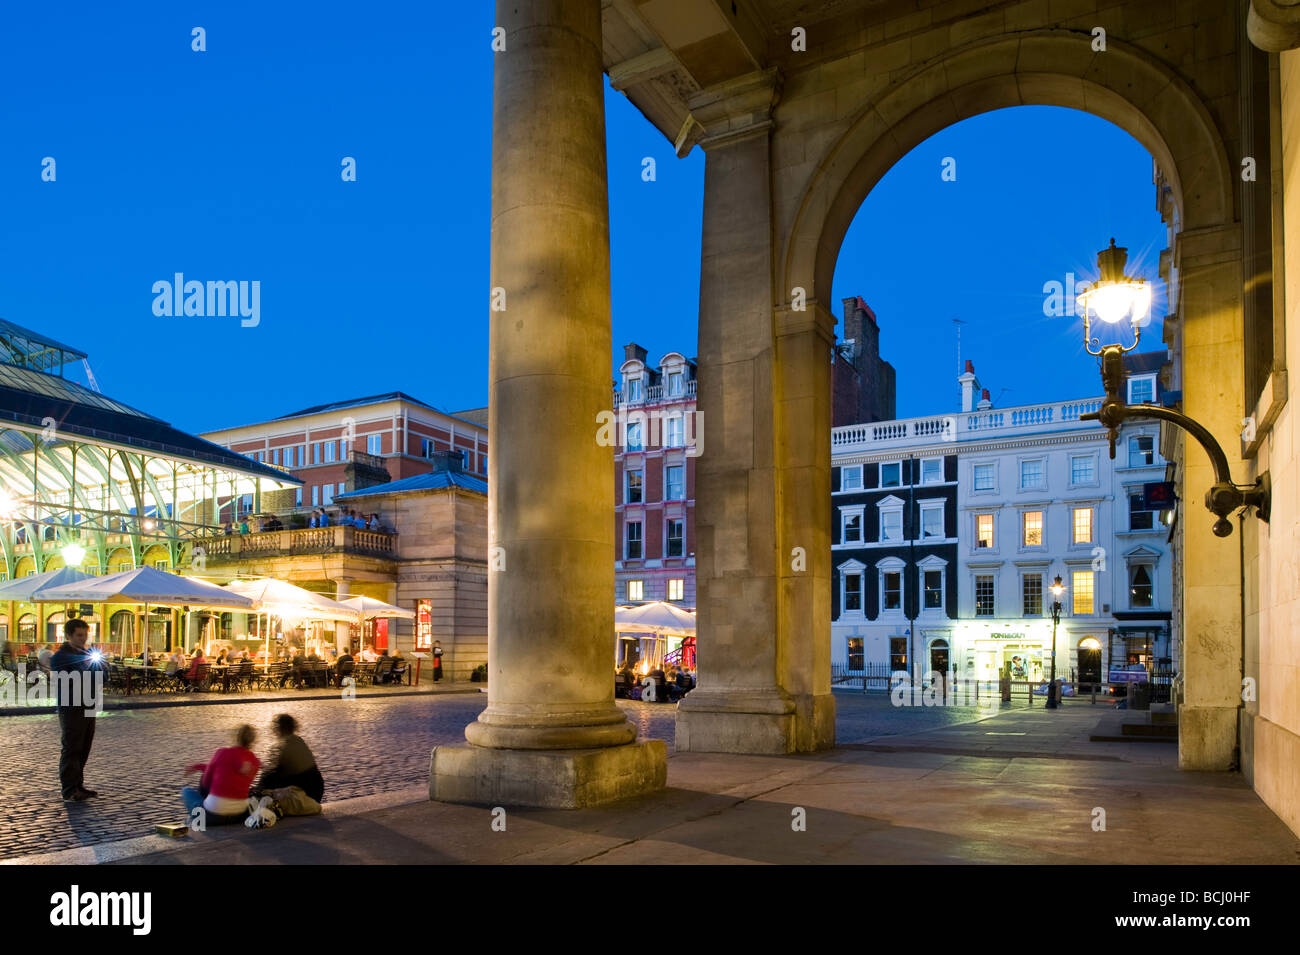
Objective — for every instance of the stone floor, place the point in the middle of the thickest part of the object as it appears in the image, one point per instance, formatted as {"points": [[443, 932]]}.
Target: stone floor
{"points": [[947, 785]]}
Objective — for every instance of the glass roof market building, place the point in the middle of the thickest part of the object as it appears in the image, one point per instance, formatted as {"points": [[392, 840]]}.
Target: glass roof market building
{"points": [[86, 480]]}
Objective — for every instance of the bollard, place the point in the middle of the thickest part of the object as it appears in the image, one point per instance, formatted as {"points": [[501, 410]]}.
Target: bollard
{"points": [[1094, 694]]}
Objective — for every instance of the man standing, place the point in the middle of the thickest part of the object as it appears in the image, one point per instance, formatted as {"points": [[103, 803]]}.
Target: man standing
{"points": [[437, 661], [74, 699]]}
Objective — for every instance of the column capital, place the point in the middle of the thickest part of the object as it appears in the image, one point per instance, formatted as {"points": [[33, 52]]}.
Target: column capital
{"points": [[737, 109], [1274, 25]]}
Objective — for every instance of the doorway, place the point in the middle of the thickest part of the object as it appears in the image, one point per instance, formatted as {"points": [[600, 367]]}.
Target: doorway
{"points": [[1089, 664]]}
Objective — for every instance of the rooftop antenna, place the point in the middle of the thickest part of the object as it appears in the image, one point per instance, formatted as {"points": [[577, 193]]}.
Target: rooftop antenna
{"points": [[959, 323]]}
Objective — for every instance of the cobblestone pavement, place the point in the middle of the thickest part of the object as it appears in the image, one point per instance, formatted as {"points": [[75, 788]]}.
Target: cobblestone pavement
{"points": [[364, 746]]}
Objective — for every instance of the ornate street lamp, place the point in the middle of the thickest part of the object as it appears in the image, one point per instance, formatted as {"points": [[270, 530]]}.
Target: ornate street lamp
{"points": [[1117, 296], [1053, 691]]}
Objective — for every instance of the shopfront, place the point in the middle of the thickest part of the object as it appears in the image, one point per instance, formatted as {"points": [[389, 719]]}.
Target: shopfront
{"points": [[1021, 651]]}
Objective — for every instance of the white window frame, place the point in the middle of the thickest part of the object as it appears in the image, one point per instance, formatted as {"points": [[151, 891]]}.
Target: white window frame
{"points": [[880, 478], [975, 466], [1096, 471], [668, 521], [855, 510], [891, 565], [975, 532], [926, 565], [676, 384], [1043, 591], [640, 588], [1074, 593], [676, 588], [633, 389], [1131, 569], [1092, 525], [1151, 379], [1042, 530], [888, 507], [929, 507], [1020, 476], [853, 568], [375, 444], [627, 485], [681, 496], [327, 494], [939, 462], [975, 598], [627, 538], [1155, 450], [846, 469], [634, 428]]}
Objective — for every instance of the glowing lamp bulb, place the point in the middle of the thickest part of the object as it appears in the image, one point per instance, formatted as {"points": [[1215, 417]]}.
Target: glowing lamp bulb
{"points": [[73, 554]]}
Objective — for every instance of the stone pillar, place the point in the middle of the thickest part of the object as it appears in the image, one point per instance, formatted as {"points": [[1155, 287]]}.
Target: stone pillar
{"points": [[342, 590], [1210, 307], [762, 504], [551, 734]]}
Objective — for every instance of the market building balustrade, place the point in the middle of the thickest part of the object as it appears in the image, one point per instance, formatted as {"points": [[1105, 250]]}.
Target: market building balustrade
{"points": [[656, 393], [296, 541], [963, 426]]}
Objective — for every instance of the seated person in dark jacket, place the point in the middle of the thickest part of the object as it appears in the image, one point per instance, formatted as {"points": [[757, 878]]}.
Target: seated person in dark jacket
{"points": [[291, 762], [343, 666]]}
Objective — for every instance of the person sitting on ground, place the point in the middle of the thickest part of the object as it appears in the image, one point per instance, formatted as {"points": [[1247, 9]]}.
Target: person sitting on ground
{"points": [[291, 762], [222, 791]]}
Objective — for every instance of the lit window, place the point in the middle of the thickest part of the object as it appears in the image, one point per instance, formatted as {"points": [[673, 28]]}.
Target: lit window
{"points": [[633, 550], [891, 475], [983, 530], [891, 590], [984, 594], [891, 525], [1141, 451], [676, 588], [1083, 525], [1140, 592], [1031, 586], [1141, 390], [932, 471], [932, 521], [424, 624], [851, 478], [676, 538], [1033, 528], [1081, 583], [636, 590], [983, 477], [1031, 473], [675, 483], [853, 592], [851, 527], [632, 493], [855, 653], [897, 654], [1083, 469], [934, 590]]}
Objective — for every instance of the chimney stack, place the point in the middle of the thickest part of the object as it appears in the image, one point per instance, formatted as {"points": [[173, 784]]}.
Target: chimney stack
{"points": [[985, 402], [969, 386]]}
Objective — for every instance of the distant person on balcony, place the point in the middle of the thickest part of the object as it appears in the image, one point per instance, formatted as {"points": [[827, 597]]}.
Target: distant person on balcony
{"points": [[243, 525], [324, 518], [229, 529], [315, 521], [374, 522]]}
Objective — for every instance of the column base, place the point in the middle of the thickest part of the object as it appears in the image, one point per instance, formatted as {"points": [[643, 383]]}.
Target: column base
{"points": [[547, 779], [766, 722], [1207, 738]]}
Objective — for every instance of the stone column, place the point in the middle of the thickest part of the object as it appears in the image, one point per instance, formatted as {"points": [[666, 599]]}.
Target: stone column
{"points": [[551, 734], [342, 590], [1210, 307], [762, 480]]}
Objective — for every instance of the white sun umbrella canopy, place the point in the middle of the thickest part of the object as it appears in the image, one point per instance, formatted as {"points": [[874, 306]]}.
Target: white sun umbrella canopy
{"points": [[655, 617], [27, 588], [145, 585], [370, 608], [269, 595]]}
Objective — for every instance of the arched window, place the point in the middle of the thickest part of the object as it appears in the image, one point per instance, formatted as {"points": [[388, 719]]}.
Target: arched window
{"points": [[27, 628], [1140, 589]]}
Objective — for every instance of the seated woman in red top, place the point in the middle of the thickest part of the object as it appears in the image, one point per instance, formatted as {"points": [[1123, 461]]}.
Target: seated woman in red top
{"points": [[222, 793]]}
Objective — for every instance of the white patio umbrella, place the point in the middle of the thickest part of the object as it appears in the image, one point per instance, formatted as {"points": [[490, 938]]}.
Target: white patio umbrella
{"points": [[279, 598], [147, 586], [25, 588], [658, 618], [370, 608]]}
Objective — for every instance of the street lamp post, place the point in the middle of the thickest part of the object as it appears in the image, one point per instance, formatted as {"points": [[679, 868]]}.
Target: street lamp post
{"points": [[1113, 297], [1053, 691]]}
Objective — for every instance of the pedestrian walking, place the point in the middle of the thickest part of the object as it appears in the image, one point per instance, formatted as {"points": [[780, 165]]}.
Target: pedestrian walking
{"points": [[76, 715]]}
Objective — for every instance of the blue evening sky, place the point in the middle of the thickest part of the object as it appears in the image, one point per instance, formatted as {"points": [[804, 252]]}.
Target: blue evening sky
{"points": [[224, 165]]}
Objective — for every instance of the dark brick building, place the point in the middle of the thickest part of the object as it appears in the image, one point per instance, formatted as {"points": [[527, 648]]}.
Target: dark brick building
{"points": [[862, 384]]}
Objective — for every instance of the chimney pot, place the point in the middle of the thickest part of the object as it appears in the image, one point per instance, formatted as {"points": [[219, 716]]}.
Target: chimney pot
{"points": [[970, 367]]}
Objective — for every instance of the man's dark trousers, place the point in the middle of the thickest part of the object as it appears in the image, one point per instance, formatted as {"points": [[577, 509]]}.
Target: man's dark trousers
{"points": [[78, 732]]}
